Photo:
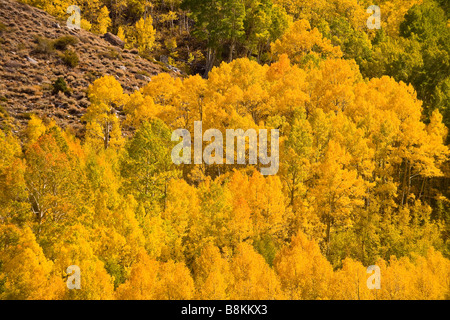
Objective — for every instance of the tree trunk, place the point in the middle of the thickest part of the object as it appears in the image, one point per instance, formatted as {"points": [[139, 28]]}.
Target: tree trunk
{"points": [[328, 234], [230, 56], [210, 58]]}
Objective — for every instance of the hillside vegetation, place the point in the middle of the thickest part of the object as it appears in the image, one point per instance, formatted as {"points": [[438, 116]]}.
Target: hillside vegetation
{"points": [[363, 177]]}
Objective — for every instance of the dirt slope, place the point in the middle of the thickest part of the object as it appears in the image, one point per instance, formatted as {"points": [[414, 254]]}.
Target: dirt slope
{"points": [[26, 76]]}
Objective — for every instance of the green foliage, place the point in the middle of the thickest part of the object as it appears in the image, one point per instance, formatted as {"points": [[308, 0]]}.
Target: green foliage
{"points": [[2, 27], [60, 85], [111, 53], [230, 24], [48, 46], [426, 21], [353, 43], [426, 27], [44, 45], [70, 58], [117, 271], [63, 42], [148, 166]]}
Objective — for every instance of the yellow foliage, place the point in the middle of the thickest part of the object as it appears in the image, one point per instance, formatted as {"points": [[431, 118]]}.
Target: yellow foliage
{"points": [[175, 282], [350, 282], [103, 21], [303, 270], [300, 42], [121, 34], [143, 281], [253, 278], [106, 94], [74, 248], [25, 271], [86, 25], [212, 275], [35, 128], [144, 36]]}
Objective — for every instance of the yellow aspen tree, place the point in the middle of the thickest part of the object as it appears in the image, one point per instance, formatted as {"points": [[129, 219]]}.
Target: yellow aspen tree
{"points": [[145, 34], [393, 14], [103, 21], [190, 106], [155, 232], [302, 43], [267, 203], [253, 278], [212, 275], [396, 279], [143, 280], [25, 273], [35, 128], [215, 214], [183, 215], [436, 149], [353, 11], [240, 223], [139, 109], [333, 90], [85, 24], [297, 150], [303, 271], [163, 89], [106, 95], [167, 103], [432, 276], [398, 116], [242, 90], [337, 190], [175, 282], [121, 34], [118, 237], [49, 182], [13, 193], [288, 87], [350, 282], [74, 248]]}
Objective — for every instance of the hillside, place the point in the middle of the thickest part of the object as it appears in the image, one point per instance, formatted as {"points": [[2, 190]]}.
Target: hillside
{"points": [[26, 76]]}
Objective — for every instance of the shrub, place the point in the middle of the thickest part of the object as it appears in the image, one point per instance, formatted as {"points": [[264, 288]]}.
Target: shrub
{"points": [[70, 58], [143, 72], [110, 54], [64, 41], [47, 46], [2, 27], [43, 45], [60, 85]]}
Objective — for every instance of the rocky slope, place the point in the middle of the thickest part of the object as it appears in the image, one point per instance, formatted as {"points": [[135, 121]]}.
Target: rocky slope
{"points": [[28, 72]]}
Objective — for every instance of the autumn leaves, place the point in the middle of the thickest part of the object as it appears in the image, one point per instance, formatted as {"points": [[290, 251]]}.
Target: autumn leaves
{"points": [[355, 187]]}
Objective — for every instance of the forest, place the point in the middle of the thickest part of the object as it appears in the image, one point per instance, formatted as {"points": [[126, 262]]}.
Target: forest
{"points": [[364, 172]]}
